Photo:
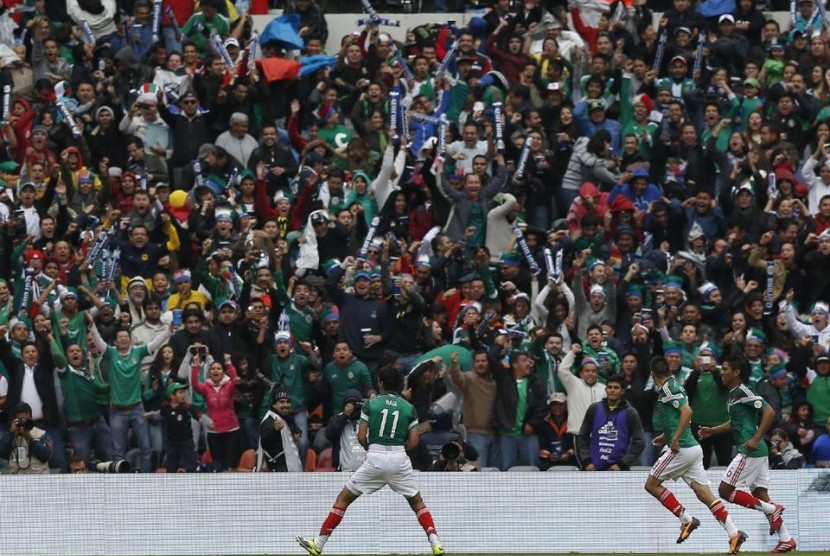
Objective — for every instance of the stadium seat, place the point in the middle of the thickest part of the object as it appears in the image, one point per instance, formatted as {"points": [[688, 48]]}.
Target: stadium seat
{"points": [[489, 469], [564, 468], [524, 468], [640, 468]]}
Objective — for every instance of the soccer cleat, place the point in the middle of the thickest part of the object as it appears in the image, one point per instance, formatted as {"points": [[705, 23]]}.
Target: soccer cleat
{"points": [[687, 528], [776, 519], [784, 546], [309, 544], [736, 542], [437, 549]]}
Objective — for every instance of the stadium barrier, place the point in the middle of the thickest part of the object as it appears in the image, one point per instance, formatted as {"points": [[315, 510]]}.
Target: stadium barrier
{"points": [[236, 513]]}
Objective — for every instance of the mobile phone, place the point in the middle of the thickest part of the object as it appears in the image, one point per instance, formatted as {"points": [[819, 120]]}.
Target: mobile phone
{"points": [[177, 317], [705, 359]]}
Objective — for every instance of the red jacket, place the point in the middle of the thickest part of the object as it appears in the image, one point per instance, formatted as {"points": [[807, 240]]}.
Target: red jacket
{"points": [[219, 399]]}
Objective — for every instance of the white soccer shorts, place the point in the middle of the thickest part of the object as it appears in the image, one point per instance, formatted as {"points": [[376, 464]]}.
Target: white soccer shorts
{"points": [[747, 473], [687, 464], [381, 469]]}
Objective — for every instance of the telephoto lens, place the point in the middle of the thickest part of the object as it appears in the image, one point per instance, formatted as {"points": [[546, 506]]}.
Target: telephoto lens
{"points": [[120, 466]]}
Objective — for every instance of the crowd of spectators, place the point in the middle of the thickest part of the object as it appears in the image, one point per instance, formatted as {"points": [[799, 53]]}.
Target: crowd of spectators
{"points": [[209, 251]]}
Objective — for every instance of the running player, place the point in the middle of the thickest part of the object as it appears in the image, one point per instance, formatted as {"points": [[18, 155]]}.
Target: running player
{"points": [[749, 470], [388, 427], [682, 458]]}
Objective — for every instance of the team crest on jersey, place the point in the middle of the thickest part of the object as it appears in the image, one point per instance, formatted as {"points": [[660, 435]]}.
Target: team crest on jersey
{"points": [[676, 404], [308, 319], [350, 375], [757, 404]]}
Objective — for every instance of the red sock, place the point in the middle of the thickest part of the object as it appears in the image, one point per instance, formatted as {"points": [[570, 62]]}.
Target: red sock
{"points": [[744, 499], [719, 511], [425, 519], [333, 520], [670, 503]]}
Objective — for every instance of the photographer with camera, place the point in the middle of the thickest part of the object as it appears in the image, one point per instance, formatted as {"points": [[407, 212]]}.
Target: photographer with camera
{"points": [[454, 456], [27, 447], [346, 452]]}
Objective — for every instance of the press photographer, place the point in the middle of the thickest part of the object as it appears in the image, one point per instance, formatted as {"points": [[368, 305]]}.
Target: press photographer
{"points": [[27, 447], [455, 456], [346, 452]]}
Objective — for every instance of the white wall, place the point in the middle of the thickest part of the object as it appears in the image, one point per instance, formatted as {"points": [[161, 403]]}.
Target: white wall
{"points": [[230, 513], [343, 24]]}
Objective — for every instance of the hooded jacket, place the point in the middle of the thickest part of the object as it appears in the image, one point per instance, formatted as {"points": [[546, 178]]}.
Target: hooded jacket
{"points": [[579, 209], [584, 166]]}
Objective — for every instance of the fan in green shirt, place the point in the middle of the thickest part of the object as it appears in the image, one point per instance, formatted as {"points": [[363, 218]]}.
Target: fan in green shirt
{"points": [[123, 360], [202, 25]]}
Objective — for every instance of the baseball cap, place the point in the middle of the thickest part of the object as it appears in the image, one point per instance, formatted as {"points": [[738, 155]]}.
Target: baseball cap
{"points": [[174, 387], [679, 58], [231, 42], [554, 86], [229, 303], [318, 218], [726, 17], [598, 104], [557, 397], [751, 82]]}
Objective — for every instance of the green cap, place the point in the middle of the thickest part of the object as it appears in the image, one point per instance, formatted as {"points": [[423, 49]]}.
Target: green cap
{"points": [[509, 258], [174, 387], [9, 167]]}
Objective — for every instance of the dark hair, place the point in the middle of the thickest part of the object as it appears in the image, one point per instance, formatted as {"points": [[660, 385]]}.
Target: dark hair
{"points": [[737, 361], [659, 366], [22, 407], [593, 327], [514, 356], [598, 141], [187, 313], [135, 141], [780, 432], [390, 379], [619, 379]]}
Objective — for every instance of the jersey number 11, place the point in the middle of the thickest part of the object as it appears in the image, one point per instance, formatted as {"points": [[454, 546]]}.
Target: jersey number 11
{"points": [[385, 413]]}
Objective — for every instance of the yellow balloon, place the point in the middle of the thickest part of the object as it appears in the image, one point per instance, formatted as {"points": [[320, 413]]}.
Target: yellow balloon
{"points": [[178, 199]]}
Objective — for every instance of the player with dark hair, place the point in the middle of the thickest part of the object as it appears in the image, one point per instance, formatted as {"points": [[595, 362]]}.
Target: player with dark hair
{"points": [[388, 428], [747, 478], [682, 458]]}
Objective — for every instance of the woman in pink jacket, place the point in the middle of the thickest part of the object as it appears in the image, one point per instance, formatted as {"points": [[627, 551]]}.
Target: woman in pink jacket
{"points": [[218, 391]]}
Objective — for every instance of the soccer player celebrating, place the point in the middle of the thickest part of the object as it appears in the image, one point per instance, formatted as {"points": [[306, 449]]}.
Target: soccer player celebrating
{"points": [[682, 458], [388, 428], [750, 468]]}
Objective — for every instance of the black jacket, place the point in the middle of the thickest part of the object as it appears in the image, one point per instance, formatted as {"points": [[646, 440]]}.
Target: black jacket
{"points": [[188, 135], [507, 398], [44, 374]]}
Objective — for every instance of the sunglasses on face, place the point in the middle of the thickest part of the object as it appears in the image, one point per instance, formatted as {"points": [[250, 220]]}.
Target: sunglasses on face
{"points": [[186, 102]]}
